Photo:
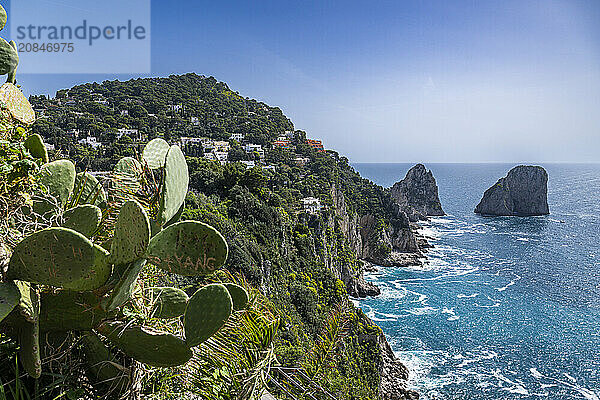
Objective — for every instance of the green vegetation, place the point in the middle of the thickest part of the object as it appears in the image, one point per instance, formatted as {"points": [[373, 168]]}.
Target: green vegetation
{"points": [[291, 264]]}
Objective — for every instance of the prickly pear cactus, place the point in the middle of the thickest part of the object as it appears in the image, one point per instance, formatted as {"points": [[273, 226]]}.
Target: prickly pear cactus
{"points": [[59, 179], [101, 364], [128, 166], [169, 302], [188, 248], [175, 185], [35, 145], [84, 219], [9, 298], [9, 59], [97, 276], [69, 310], [29, 341], [53, 256], [28, 306], [147, 345], [155, 153], [124, 286], [207, 311], [88, 190], [132, 234], [238, 294]]}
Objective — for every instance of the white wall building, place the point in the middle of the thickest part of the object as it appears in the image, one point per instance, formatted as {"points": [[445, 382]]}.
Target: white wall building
{"points": [[90, 141], [311, 205]]}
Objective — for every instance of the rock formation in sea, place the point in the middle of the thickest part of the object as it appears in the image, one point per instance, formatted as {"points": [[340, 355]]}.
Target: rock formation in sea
{"points": [[417, 194], [523, 192]]}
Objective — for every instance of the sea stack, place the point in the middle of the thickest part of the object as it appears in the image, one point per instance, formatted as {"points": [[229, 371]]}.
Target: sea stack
{"points": [[523, 192], [417, 194]]}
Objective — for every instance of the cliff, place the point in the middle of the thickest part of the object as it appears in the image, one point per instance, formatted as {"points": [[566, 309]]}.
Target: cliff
{"points": [[523, 192], [417, 194]]}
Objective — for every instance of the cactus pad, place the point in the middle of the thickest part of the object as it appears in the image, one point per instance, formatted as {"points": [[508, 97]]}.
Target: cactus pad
{"points": [[128, 166], [29, 303], [175, 185], [9, 298], [169, 302], [132, 234], [155, 153], [53, 256], [59, 178], [84, 219], [207, 311], [88, 190], [66, 310], [9, 59], [29, 352], [146, 345], [98, 275], [176, 217], [35, 145], [100, 363], [124, 287], [188, 248], [238, 294], [3, 17]]}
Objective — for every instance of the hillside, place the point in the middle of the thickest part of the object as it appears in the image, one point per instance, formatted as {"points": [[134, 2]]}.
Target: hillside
{"points": [[299, 221]]}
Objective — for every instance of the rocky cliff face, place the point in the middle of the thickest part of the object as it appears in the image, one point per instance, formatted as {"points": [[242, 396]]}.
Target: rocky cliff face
{"points": [[417, 194], [523, 192]]}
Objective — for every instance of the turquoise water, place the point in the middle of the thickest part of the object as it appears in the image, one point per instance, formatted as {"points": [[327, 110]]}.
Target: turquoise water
{"points": [[505, 307]]}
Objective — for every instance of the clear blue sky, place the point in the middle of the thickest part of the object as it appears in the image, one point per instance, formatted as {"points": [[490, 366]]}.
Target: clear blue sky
{"points": [[398, 81]]}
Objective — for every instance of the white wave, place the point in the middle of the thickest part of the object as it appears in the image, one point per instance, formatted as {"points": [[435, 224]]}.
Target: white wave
{"points": [[503, 288], [453, 316], [467, 296], [535, 373], [421, 310]]}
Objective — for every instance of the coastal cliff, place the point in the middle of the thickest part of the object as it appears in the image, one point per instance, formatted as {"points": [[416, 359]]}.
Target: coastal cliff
{"points": [[522, 192], [417, 194]]}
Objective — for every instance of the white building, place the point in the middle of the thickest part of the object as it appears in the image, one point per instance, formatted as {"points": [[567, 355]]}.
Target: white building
{"points": [[175, 107], [221, 145], [124, 113], [301, 161], [90, 141], [222, 156], [289, 134], [195, 121], [49, 146], [311, 205], [238, 137], [251, 148], [249, 164], [132, 133]]}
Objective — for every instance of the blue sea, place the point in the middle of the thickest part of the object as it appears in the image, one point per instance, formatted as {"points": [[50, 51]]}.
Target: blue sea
{"points": [[504, 307]]}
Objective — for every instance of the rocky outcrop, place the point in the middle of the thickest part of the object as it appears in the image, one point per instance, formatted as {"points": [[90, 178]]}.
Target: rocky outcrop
{"points": [[523, 192], [417, 194]]}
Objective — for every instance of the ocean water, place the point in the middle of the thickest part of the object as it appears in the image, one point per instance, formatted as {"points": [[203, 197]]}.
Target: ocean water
{"points": [[505, 307]]}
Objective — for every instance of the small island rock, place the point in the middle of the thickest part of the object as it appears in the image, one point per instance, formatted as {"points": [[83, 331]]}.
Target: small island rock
{"points": [[417, 194], [523, 192]]}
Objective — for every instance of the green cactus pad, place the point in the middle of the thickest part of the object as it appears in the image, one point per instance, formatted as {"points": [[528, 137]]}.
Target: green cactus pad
{"points": [[35, 145], [146, 345], [88, 190], [124, 287], [132, 234], [3, 17], [29, 302], [169, 302], [84, 219], [67, 310], [9, 58], [29, 348], [206, 312], [155, 153], [9, 298], [98, 275], [175, 185], [59, 178], [101, 363], [128, 166], [176, 217], [53, 256], [238, 294], [188, 248]]}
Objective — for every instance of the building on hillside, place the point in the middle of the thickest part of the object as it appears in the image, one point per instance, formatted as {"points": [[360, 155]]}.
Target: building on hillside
{"points": [[238, 137], [49, 146], [270, 168], [73, 132], [289, 134], [301, 161], [315, 144], [192, 146], [283, 144], [195, 121], [222, 145], [255, 148], [124, 113], [210, 156], [221, 156], [311, 205], [132, 133], [91, 141], [175, 107]]}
